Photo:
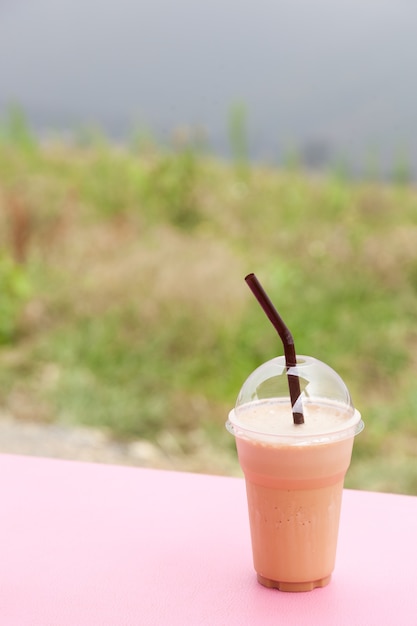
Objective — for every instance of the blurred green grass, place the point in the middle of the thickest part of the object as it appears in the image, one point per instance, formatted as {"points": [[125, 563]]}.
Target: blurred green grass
{"points": [[124, 304]]}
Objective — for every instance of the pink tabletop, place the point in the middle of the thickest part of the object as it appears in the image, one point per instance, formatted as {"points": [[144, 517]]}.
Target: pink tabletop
{"points": [[86, 544]]}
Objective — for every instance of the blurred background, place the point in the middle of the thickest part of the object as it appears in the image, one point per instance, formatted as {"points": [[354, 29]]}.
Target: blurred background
{"points": [[154, 153], [333, 84]]}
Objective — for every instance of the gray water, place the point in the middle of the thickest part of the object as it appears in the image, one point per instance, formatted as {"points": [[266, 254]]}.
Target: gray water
{"points": [[330, 80]]}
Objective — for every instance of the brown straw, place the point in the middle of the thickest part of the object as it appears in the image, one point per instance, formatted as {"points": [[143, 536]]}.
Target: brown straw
{"points": [[286, 338]]}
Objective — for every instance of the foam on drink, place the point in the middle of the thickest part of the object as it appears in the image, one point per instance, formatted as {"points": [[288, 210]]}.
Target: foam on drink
{"points": [[272, 417]]}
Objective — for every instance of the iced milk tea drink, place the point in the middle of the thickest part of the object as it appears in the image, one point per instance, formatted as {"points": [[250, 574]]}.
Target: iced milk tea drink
{"points": [[294, 473]]}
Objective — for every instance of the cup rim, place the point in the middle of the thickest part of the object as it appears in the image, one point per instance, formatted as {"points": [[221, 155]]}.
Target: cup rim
{"points": [[353, 426]]}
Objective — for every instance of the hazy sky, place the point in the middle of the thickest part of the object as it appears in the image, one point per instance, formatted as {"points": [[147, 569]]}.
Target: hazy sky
{"points": [[339, 72]]}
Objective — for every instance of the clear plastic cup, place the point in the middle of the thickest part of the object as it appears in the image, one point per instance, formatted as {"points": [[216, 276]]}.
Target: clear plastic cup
{"points": [[294, 473]]}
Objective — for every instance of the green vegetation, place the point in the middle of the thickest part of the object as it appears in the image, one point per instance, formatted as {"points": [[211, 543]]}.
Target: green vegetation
{"points": [[123, 302]]}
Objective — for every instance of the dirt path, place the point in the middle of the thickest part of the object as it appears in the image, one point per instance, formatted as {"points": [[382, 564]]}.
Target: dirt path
{"points": [[93, 445]]}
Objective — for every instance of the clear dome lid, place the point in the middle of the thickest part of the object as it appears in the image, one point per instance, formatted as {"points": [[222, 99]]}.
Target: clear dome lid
{"points": [[263, 405], [317, 380]]}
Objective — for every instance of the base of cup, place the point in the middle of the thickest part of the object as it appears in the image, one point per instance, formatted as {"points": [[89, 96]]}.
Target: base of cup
{"points": [[284, 586]]}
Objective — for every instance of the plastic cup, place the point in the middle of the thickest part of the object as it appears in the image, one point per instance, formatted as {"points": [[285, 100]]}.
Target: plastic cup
{"points": [[294, 473]]}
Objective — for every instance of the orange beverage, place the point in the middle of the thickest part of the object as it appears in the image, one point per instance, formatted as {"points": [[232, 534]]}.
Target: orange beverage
{"points": [[294, 468], [294, 473], [294, 481]]}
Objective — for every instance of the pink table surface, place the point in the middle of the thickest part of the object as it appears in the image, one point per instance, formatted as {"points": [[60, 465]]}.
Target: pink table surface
{"points": [[85, 544]]}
